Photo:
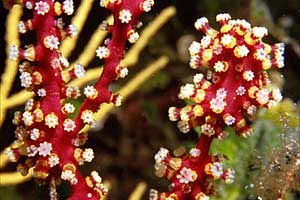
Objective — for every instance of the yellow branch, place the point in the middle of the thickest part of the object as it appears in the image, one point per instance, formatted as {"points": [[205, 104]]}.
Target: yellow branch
{"points": [[107, 184], [90, 75], [78, 20], [132, 86], [13, 178], [11, 67], [89, 51], [138, 191], [3, 160], [18, 98], [144, 75], [134, 52]]}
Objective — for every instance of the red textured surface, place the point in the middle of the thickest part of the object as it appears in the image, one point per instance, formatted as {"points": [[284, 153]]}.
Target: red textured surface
{"points": [[44, 24], [245, 59]]}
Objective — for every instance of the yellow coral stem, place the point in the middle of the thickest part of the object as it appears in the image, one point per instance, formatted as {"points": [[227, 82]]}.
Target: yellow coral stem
{"points": [[78, 20], [130, 87], [11, 69], [138, 191], [133, 85], [133, 54], [89, 51], [13, 178], [90, 75], [3, 160], [136, 82], [107, 184], [18, 98]]}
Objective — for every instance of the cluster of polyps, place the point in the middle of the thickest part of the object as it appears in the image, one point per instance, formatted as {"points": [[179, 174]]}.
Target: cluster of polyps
{"points": [[189, 173], [235, 86], [47, 138]]}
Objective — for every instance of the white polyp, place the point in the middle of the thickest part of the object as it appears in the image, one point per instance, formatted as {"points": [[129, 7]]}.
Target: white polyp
{"points": [[68, 7], [201, 22], [186, 91], [79, 71], [133, 37], [161, 154], [42, 7], [102, 52], [194, 48], [45, 149], [125, 16], [13, 52]]}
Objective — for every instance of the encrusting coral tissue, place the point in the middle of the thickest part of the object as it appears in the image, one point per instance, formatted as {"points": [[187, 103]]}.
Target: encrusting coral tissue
{"points": [[47, 138], [236, 85]]}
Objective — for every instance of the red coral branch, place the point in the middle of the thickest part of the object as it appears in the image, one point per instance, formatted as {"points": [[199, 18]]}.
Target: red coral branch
{"points": [[126, 15], [46, 136], [237, 60]]}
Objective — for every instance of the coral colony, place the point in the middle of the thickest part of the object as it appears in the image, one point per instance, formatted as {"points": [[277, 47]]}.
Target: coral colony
{"points": [[47, 138], [235, 87]]}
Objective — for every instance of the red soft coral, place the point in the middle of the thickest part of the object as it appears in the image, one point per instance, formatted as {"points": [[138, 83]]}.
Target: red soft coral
{"points": [[47, 138], [237, 60]]}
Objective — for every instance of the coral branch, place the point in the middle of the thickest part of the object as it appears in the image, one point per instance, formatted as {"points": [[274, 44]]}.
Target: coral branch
{"points": [[3, 160], [125, 20], [12, 178], [78, 20], [125, 91], [138, 191], [96, 39], [7, 78], [18, 99], [133, 54], [236, 85], [46, 136], [129, 60], [130, 87]]}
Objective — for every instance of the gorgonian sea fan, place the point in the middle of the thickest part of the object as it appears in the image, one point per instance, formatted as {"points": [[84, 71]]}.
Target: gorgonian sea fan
{"points": [[236, 85], [48, 139]]}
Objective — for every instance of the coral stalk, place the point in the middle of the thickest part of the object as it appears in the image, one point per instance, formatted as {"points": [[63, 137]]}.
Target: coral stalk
{"points": [[46, 136], [11, 68], [236, 85]]}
